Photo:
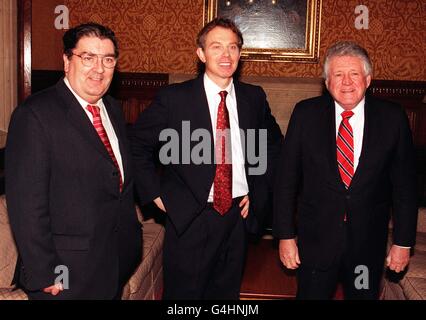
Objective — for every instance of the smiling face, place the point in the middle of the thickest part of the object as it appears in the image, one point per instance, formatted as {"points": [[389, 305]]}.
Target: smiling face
{"points": [[90, 83], [347, 81], [220, 55]]}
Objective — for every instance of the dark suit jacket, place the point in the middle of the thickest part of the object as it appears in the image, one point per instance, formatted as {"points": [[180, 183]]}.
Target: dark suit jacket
{"points": [[184, 188], [308, 182], [63, 197]]}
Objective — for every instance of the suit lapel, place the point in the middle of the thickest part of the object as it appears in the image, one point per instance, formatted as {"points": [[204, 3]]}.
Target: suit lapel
{"points": [[199, 101], [78, 118], [243, 110], [330, 120], [121, 137], [243, 107], [368, 126]]}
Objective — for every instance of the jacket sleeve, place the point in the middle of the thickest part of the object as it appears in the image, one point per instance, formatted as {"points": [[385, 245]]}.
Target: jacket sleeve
{"points": [[288, 177], [144, 144], [403, 177], [275, 139], [27, 169]]}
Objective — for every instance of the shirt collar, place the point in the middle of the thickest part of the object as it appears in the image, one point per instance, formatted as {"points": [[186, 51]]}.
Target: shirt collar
{"points": [[80, 100], [213, 89], [358, 110]]}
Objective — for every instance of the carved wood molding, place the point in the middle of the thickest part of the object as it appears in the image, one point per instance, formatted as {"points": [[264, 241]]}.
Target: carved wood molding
{"points": [[410, 95], [402, 89], [140, 80]]}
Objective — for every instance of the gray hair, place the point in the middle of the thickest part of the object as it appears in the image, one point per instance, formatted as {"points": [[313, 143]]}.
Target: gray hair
{"points": [[347, 48]]}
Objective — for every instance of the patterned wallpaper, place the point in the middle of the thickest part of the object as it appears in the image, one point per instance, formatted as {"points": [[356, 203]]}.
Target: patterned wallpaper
{"points": [[159, 35]]}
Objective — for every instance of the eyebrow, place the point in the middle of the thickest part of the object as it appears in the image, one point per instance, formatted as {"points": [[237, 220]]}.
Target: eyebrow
{"points": [[95, 54], [217, 42]]}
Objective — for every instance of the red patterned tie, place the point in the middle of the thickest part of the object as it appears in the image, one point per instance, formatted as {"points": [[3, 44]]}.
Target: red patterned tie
{"points": [[97, 123], [345, 149], [222, 194]]}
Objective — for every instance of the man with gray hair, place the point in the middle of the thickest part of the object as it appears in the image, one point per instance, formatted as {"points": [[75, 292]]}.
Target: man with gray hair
{"points": [[346, 161]]}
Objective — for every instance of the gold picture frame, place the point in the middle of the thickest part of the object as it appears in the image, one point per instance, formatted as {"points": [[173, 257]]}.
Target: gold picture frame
{"points": [[273, 30]]}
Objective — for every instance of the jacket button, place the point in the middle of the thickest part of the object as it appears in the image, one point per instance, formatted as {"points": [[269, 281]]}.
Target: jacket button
{"points": [[348, 197], [115, 174]]}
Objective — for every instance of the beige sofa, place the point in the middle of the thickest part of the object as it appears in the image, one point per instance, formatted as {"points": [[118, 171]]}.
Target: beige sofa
{"points": [[145, 284], [412, 284]]}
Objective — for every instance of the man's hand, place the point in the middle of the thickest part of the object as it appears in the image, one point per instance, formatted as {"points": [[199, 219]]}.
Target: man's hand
{"points": [[398, 258], [289, 254], [55, 289], [160, 204], [245, 203]]}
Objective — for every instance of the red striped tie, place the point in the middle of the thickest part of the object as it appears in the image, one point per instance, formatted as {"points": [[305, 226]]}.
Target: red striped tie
{"points": [[345, 149], [222, 190], [97, 123]]}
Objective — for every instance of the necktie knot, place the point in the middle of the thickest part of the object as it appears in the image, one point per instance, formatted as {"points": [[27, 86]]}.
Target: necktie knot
{"points": [[223, 95], [346, 115], [94, 110]]}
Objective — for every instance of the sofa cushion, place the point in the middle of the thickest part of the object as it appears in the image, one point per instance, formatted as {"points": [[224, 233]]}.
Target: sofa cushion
{"points": [[9, 294], [391, 291], [414, 288], [417, 265], [153, 237], [421, 220], [420, 242], [8, 253]]}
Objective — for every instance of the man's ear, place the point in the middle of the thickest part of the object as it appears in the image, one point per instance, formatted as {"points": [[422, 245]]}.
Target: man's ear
{"points": [[66, 63], [368, 79], [201, 55]]}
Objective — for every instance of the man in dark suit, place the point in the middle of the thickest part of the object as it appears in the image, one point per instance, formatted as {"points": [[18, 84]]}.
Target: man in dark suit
{"points": [[347, 159], [205, 187], [69, 182]]}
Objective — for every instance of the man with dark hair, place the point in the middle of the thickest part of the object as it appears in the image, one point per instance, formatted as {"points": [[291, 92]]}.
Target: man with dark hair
{"points": [[206, 191], [69, 183], [347, 159]]}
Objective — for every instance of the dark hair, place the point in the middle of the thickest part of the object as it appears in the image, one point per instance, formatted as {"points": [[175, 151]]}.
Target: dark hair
{"points": [[91, 29], [219, 22]]}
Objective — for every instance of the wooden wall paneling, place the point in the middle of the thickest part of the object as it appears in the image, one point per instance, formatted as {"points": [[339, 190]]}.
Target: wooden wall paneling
{"points": [[8, 62], [136, 91], [24, 49], [41, 79], [410, 95]]}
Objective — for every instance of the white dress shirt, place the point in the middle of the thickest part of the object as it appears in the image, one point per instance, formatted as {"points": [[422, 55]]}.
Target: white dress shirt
{"points": [[106, 122], [239, 180]]}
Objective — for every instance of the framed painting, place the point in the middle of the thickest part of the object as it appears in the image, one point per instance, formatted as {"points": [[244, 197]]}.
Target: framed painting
{"points": [[273, 30]]}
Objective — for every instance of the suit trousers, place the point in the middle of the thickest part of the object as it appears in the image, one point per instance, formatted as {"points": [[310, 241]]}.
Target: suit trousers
{"points": [[207, 260], [359, 281]]}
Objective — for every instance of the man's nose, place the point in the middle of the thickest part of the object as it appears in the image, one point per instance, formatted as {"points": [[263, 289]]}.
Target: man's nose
{"points": [[347, 79], [99, 67], [226, 52]]}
